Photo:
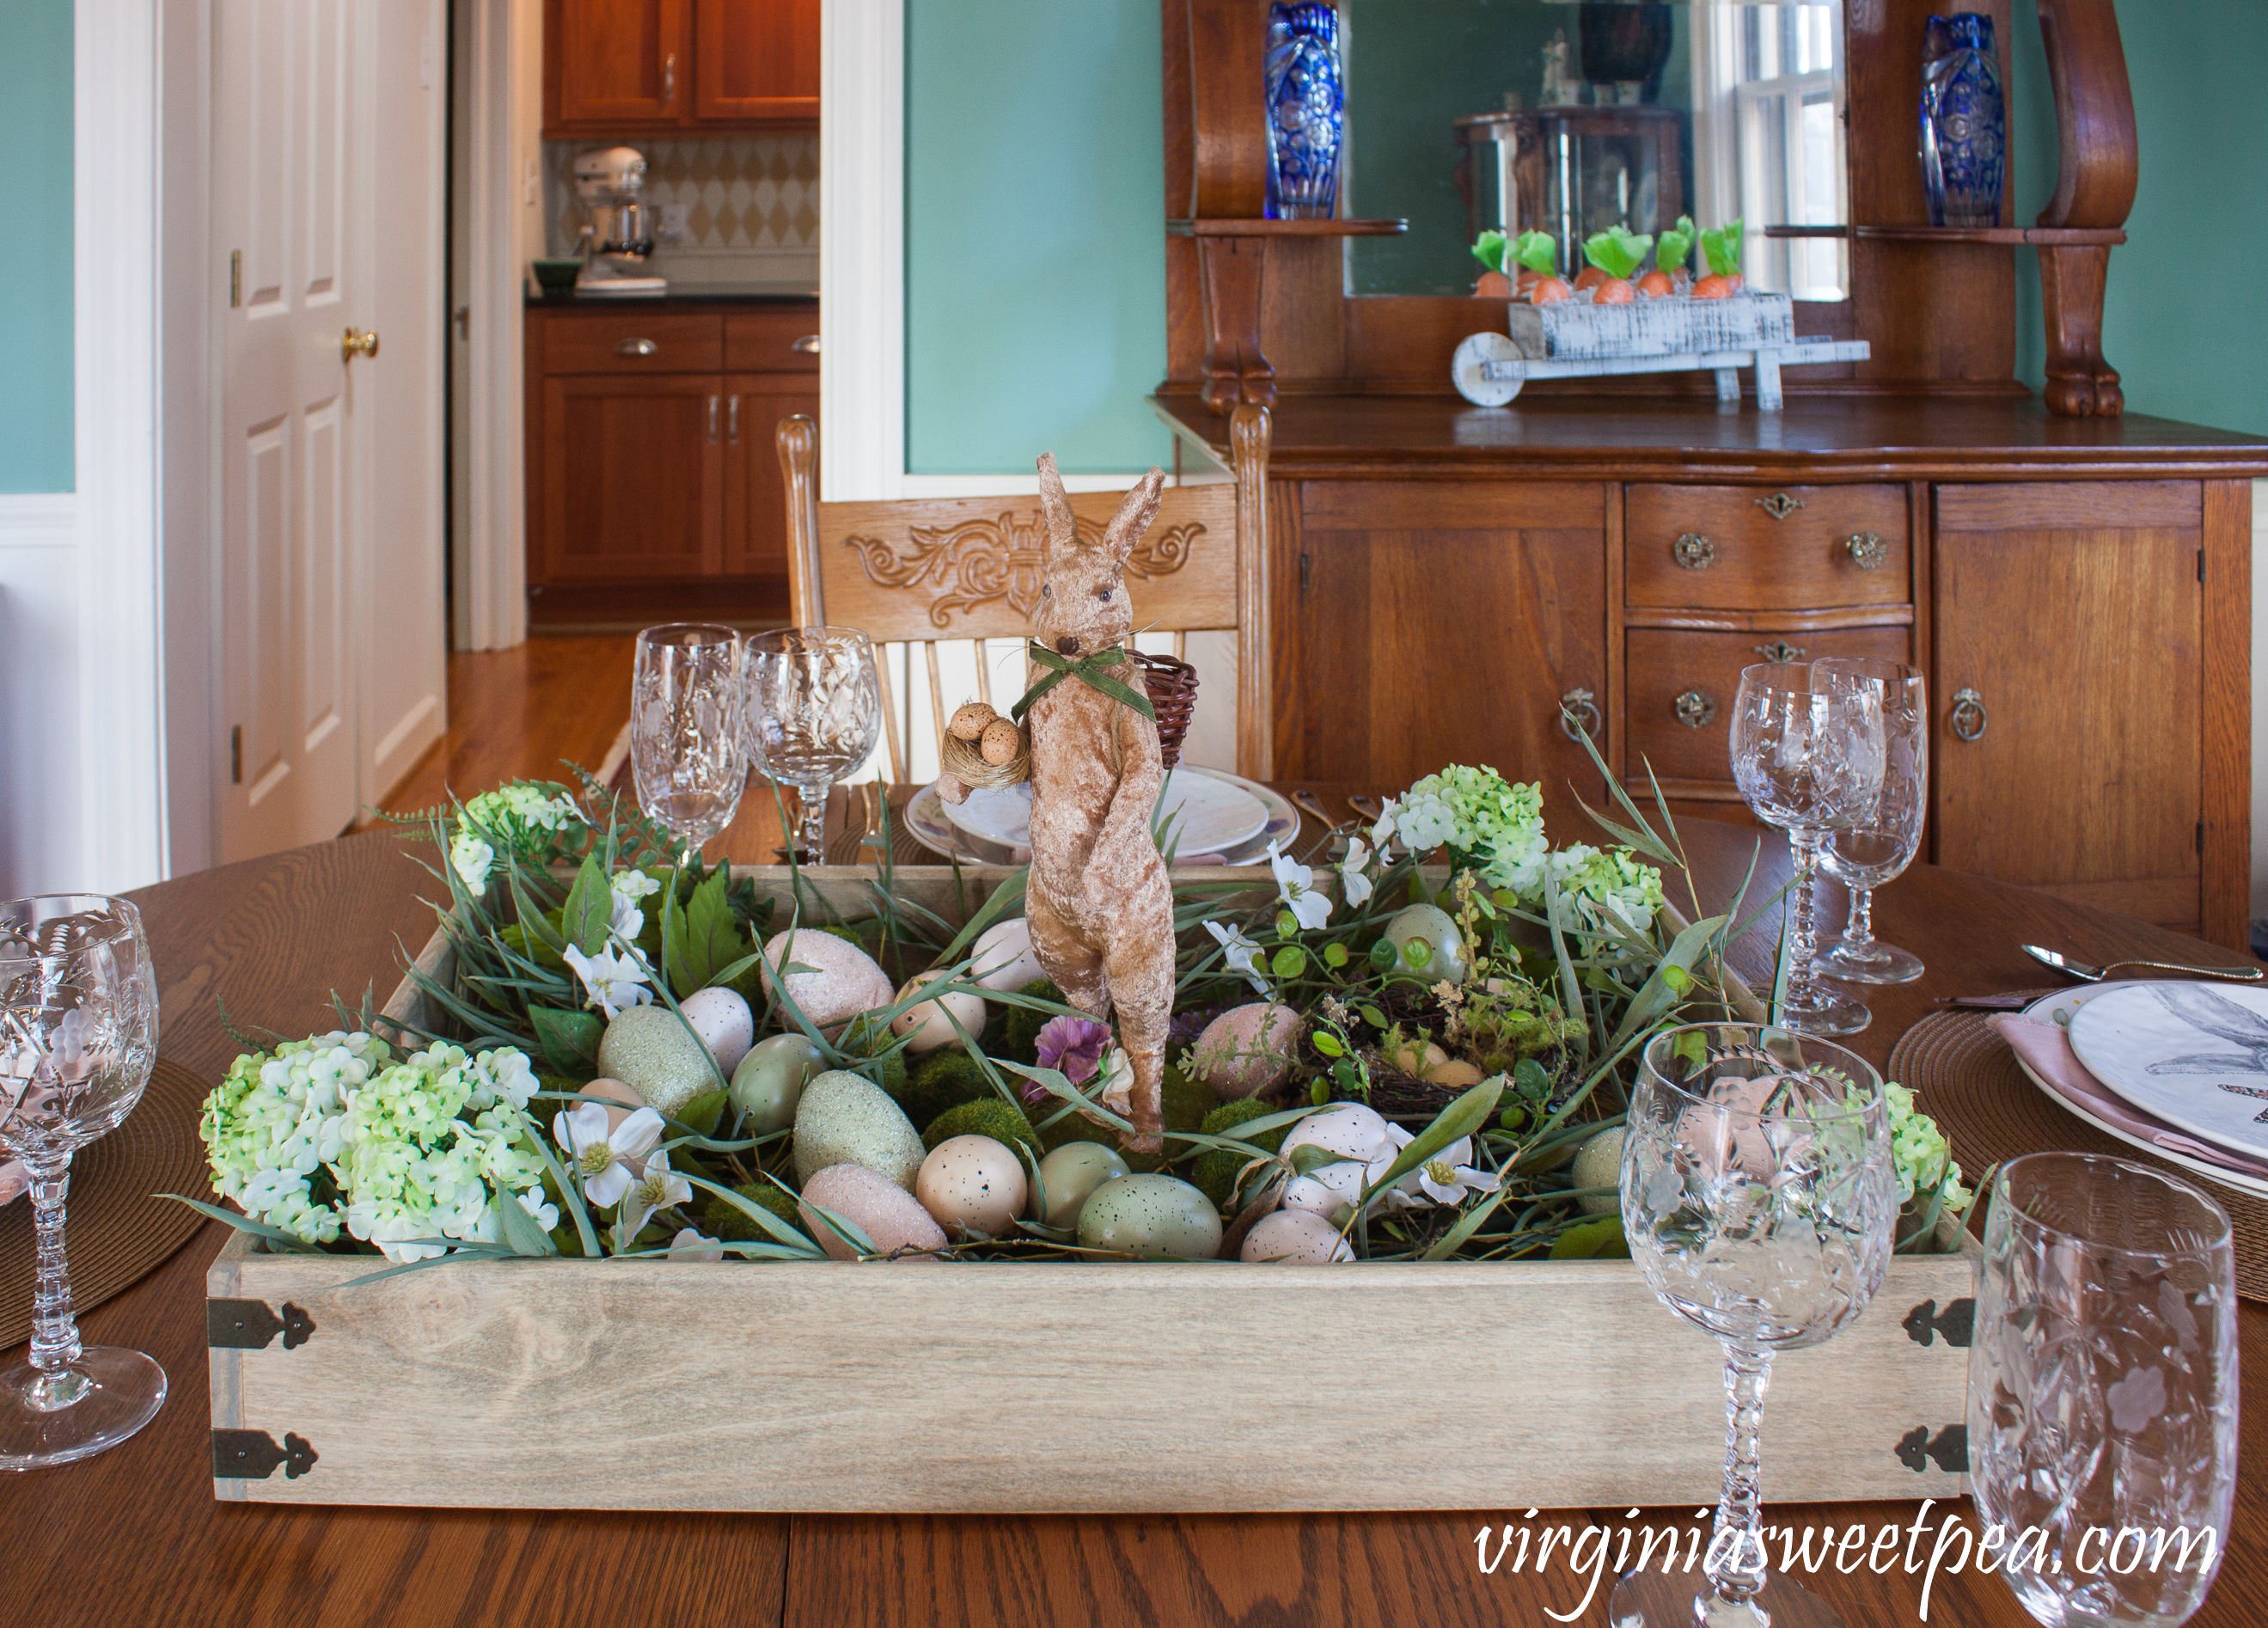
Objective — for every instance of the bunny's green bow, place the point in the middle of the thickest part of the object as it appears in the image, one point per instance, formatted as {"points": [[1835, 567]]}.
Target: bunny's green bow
{"points": [[1090, 673]]}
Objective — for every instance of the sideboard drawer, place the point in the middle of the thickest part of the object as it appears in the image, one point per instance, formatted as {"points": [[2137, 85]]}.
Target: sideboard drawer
{"points": [[632, 342], [1759, 548], [1679, 687], [766, 340]]}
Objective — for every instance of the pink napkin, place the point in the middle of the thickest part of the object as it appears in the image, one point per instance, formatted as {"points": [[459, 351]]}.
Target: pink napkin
{"points": [[2048, 1049]]}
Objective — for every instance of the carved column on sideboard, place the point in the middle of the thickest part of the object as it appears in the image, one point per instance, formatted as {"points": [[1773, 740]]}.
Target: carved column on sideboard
{"points": [[2097, 169]]}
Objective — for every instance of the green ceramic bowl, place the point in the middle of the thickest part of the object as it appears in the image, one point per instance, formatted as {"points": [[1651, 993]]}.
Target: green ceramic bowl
{"points": [[556, 276]]}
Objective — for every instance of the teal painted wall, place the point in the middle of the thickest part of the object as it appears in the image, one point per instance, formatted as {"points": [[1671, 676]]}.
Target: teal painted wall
{"points": [[35, 273], [1035, 273]]}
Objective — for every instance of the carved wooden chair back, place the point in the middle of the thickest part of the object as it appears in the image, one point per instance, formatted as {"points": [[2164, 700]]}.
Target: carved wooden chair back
{"points": [[923, 571]]}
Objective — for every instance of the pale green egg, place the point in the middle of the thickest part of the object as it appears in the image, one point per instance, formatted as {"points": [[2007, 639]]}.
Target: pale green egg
{"points": [[650, 1050], [769, 1081], [1598, 1163], [845, 1119], [1442, 952], [1071, 1173], [1159, 1218]]}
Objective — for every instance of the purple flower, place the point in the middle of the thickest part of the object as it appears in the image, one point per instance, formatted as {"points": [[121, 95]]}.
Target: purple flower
{"points": [[1073, 1046]]}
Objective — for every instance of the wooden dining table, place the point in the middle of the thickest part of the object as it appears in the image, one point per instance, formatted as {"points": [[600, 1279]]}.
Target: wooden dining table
{"points": [[135, 1536]]}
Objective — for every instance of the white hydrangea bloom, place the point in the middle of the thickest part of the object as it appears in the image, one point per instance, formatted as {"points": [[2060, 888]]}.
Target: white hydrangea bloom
{"points": [[1489, 824]]}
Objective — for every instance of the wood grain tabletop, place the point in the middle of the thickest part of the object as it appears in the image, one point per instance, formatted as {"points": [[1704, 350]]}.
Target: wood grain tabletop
{"points": [[135, 1536]]}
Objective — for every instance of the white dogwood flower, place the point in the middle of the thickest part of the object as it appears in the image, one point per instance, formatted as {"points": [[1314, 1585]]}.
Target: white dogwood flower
{"points": [[657, 1188], [614, 979], [692, 1245], [606, 1161], [1242, 954], [1354, 872], [1295, 886]]}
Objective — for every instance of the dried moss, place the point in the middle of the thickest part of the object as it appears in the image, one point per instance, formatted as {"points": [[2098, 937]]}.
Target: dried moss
{"points": [[1215, 1171], [988, 1116]]}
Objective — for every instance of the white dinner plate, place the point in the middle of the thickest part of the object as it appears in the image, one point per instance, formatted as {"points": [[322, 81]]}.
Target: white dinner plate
{"points": [[1211, 815], [2192, 1054], [927, 821], [2060, 1006]]}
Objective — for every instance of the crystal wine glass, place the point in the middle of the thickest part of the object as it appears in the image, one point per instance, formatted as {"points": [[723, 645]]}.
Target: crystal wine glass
{"points": [[1758, 1197], [78, 1036], [2103, 1381], [1876, 850], [686, 751], [1808, 757], [814, 711]]}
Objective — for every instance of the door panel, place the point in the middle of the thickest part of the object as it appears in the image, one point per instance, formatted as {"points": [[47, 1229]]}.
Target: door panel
{"points": [[759, 59], [634, 477], [619, 59], [755, 492], [1441, 624], [2091, 694]]}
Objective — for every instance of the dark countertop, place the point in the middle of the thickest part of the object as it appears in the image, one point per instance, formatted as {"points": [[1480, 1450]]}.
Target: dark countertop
{"points": [[1628, 437], [691, 299]]}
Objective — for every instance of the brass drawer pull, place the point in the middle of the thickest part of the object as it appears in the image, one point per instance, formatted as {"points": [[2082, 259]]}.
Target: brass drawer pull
{"points": [[808, 345], [1693, 551], [1694, 709], [1579, 714], [1867, 549], [1779, 506], [1780, 649], [636, 347], [1968, 718]]}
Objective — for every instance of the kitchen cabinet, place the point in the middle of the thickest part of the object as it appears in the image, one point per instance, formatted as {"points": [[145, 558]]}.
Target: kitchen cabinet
{"points": [[654, 492], [629, 68]]}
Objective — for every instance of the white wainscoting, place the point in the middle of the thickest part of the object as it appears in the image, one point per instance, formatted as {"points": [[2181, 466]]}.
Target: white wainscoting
{"points": [[41, 849]]}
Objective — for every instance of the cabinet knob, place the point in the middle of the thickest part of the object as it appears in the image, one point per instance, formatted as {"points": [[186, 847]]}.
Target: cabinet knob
{"points": [[636, 347], [1780, 649], [1867, 549], [1579, 714], [1693, 551], [808, 345], [1969, 716], [1694, 709], [1779, 506]]}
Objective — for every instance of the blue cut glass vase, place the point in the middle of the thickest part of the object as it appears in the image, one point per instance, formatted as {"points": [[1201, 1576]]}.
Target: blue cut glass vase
{"points": [[1307, 105], [1964, 122]]}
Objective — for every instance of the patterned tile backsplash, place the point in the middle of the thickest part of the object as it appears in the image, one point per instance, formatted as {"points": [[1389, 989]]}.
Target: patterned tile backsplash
{"points": [[751, 203]]}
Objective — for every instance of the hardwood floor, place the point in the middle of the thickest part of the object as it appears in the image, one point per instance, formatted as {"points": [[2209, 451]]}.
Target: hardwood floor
{"points": [[517, 714]]}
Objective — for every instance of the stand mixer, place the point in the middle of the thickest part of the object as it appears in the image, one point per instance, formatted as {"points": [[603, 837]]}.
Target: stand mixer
{"points": [[616, 243]]}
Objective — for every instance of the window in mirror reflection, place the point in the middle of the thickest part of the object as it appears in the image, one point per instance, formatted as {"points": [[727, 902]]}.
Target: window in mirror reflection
{"points": [[1571, 116]]}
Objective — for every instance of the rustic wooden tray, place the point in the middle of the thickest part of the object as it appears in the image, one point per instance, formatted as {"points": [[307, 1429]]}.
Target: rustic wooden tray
{"points": [[1069, 1388]]}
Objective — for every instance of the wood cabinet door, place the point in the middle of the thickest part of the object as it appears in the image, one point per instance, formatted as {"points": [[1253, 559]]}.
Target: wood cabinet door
{"points": [[2068, 691], [755, 490], [632, 478], [612, 61], [759, 59], [1421, 624]]}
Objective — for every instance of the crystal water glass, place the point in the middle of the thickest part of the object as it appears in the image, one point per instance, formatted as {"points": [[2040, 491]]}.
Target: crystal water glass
{"points": [[687, 754], [1808, 750], [1759, 1198], [1878, 848], [814, 712], [78, 1036], [2102, 1380]]}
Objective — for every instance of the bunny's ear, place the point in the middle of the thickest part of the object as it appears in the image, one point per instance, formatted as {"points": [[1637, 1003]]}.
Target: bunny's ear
{"points": [[1054, 509], [1134, 515]]}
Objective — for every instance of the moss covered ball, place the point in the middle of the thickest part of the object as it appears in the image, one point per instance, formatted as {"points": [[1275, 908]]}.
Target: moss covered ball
{"points": [[1217, 1169], [734, 1224], [987, 1116], [943, 1080], [1022, 1031]]}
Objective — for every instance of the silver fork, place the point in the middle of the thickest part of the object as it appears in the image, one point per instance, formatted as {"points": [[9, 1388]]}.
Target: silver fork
{"points": [[2087, 974]]}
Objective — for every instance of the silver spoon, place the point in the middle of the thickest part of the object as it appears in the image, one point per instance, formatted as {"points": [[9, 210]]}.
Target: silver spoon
{"points": [[2085, 973]]}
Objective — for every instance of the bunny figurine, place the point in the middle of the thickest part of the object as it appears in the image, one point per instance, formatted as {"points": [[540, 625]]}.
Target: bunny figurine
{"points": [[1100, 908]]}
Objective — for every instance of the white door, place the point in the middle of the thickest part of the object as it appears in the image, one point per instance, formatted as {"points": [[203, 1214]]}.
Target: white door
{"points": [[330, 664]]}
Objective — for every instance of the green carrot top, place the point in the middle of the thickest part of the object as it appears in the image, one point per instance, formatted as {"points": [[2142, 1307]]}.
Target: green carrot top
{"points": [[1721, 246], [1617, 251], [1672, 249]]}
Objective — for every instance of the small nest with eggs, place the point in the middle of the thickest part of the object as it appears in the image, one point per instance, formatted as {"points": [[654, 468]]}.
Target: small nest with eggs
{"points": [[1394, 1092], [966, 763]]}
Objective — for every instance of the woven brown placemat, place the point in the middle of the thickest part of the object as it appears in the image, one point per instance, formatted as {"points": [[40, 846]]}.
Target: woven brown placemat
{"points": [[1966, 1077], [116, 1230]]}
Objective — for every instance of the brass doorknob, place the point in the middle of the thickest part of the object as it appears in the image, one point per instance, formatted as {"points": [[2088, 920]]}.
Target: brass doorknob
{"points": [[362, 342]]}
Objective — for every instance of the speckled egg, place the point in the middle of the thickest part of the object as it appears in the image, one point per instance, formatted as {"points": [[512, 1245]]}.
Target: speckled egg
{"points": [[769, 1081], [1002, 957], [972, 1184], [1159, 1218], [1247, 1049], [884, 1210], [649, 1050], [1444, 954], [1352, 1130], [1598, 1163], [931, 1023], [1071, 1173], [723, 1020], [842, 980], [1295, 1238], [846, 1119]]}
